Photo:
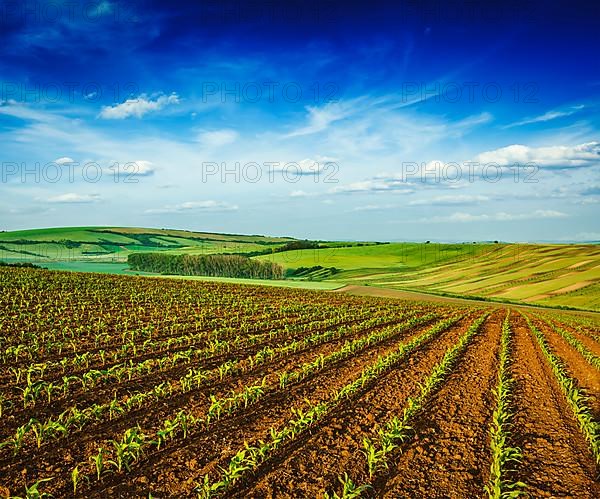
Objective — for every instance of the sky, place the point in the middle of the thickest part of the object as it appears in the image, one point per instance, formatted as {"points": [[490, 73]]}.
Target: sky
{"points": [[392, 121]]}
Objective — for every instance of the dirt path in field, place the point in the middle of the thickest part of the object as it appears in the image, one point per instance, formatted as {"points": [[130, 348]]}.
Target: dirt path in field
{"points": [[556, 458], [450, 455], [586, 376], [316, 460], [203, 453], [357, 290]]}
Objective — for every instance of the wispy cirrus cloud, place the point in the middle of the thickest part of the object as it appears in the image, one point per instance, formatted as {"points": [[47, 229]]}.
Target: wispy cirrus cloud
{"points": [[450, 200], [547, 116], [321, 117], [74, 198], [379, 114], [192, 206], [463, 217]]}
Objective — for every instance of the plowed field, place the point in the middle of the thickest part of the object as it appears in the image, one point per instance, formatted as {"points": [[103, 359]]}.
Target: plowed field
{"points": [[116, 386]]}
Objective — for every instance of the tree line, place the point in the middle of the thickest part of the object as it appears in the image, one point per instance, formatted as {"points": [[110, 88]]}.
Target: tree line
{"points": [[206, 265]]}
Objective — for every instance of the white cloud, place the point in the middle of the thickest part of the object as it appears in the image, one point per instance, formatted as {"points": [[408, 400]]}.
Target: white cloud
{"points": [[217, 138], [374, 207], [498, 217], [73, 198], [547, 116], [64, 161], [144, 167], [300, 194], [397, 185], [319, 118], [138, 107], [140, 167], [308, 166], [587, 154], [449, 200], [190, 206]]}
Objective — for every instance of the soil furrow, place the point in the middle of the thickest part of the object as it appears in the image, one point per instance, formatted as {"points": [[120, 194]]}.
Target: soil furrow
{"points": [[450, 455], [154, 411], [279, 400], [164, 472], [591, 344], [556, 458], [316, 461], [586, 376]]}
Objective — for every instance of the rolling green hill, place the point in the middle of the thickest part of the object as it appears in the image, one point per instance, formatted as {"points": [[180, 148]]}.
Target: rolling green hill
{"points": [[544, 274], [379, 258], [563, 275], [101, 245]]}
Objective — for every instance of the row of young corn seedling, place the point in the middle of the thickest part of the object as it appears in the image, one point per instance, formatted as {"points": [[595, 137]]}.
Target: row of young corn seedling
{"points": [[348, 349], [122, 320], [193, 379], [214, 339], [582, 325], [397, 430], [73, 338], [229, 404], [41, 390], [211, 338], [39, 432], [575, 395], [593, 360], [504, 456], [252, 456]]}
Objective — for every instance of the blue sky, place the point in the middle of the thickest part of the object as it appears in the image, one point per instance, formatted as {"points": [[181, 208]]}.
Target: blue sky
{"points": [[333, 120]]}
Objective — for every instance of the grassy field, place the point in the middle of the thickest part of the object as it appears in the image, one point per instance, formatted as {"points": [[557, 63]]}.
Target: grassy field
{"points": [[555, 275], [542, 274], [289, 283], [380, 258], [114, 244]]}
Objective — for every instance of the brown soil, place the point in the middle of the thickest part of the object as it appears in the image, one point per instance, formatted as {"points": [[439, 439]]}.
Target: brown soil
{"points": [[586, 376], [154, 412], [358, 290], [447, 455], [313, 465], [557, 461], [450, 455], [162, 472], [590, 343]]}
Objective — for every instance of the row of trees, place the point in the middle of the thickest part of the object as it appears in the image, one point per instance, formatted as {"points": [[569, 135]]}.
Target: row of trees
{"points": [[26, 265], [207, 265]]}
